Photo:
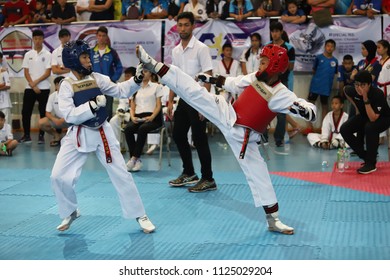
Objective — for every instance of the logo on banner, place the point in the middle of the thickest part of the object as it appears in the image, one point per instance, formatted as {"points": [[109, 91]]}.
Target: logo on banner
{"points": [[14, 46]]}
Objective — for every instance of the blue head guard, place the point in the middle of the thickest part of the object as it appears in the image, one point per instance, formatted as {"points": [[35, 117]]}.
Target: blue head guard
{"points": [[71, 56]]}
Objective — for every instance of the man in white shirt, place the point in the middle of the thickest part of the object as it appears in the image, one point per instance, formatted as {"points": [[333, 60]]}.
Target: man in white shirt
{"points": [[57, 66], [37, 69], [53, 123], [193, 57]]}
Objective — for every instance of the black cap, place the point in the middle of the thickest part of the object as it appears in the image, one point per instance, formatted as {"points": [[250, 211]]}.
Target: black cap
{"points": [[363, 77]]}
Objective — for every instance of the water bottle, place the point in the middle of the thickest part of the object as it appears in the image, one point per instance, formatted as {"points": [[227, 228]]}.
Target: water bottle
{"points": [[340, 160], [286, 141], [346, 158]]}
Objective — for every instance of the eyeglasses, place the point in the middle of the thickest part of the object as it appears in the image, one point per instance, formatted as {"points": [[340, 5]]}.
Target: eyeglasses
{"points": [[357, 84]]}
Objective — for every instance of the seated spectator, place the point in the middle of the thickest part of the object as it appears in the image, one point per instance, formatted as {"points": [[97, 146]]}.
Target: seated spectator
{"points": [[145, 116], [215, 9], [368, 8], [8, 143], [5, 99], [240, 9], [122, 116], [63, 12], [15, 12], [330, 137], [131, 9], [268, 8], [155, 9], [41, 14], [361, 132], [53, 122], [386, 7], [82, 10], [101, 9], [175, 7], [195, 7], [292, 14]]}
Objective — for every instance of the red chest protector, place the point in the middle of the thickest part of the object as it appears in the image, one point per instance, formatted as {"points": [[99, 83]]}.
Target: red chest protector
{"points": [[252, 107]]}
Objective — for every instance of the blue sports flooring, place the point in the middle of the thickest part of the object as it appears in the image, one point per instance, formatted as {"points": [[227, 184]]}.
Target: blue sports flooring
{"points": [[331, 222]]}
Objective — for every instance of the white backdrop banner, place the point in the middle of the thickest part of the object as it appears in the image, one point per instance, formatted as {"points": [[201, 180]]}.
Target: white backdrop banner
{"points": [[348, 33], [215, 33]]}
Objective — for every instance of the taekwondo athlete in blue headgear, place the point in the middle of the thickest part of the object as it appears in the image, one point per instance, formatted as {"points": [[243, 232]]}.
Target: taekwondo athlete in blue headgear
{"points": [[82, 102]]}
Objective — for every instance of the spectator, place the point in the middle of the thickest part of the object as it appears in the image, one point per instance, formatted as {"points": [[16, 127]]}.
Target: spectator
{"points": [[63, 12], [325, 67], [57, 66], [215, 9], [344, 79], [292, 14], [131, 9], [317, 5], [37, 69], [249, 59], [155, 9], [53, 122], [386, 7], [227, 67], [198, 9], [361, 132], [8, 144], [268, 8], [15, 12], [240, 9], [122, 116], [369, 62], [5, 100], [145, 116], [344, 74], [82, 10], [105, 60], [101, 9], [41, 14], [330, 137], [383, 49], [368, 8]]}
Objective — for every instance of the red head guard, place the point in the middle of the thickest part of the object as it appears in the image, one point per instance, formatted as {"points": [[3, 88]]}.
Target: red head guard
{"points": [[278, 59]]}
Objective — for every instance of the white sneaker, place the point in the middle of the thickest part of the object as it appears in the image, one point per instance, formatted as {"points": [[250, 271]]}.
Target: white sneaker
{"points": [[137, 166], [68, 221], [145, 224], [151, 149], [274, 224], [130, 164]]}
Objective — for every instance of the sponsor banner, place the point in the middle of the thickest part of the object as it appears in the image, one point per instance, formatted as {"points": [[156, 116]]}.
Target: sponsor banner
{"points": [[124, 36], [215, 33], [386, 27], [348, 33], [15, 42]]}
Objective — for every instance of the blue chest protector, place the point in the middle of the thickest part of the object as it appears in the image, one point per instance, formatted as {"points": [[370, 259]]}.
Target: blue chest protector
{"points": [[84, 91]]}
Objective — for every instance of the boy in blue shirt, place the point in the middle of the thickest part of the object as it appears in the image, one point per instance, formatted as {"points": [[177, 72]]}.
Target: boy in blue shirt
{"points": [[344, 73], [325, 67]]}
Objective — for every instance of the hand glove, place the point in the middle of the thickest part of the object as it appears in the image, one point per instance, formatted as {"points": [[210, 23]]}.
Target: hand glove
{"points": [[97, 102], [303, 111], [206, 78], [139, 74]]}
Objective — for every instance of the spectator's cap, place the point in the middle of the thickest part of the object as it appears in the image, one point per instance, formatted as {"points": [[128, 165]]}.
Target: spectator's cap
{"points": [[363, 77], [63, 32]]}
